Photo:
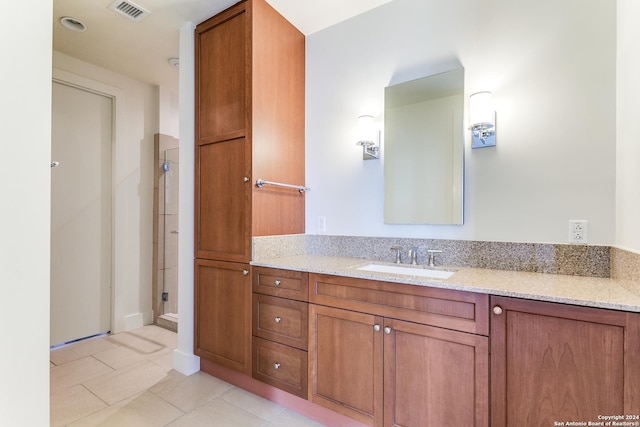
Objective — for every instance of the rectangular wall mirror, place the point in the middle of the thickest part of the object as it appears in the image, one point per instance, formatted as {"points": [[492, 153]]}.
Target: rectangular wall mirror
{"points": [[424, 150]]}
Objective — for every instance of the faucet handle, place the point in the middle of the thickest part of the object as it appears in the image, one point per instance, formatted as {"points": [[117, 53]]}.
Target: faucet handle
{"points": [[413, 255], [398, 259], [432, 256]]}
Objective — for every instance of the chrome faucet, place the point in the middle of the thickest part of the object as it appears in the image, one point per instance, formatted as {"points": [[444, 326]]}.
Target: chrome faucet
{"points": [[398, 254], [432, 256]]}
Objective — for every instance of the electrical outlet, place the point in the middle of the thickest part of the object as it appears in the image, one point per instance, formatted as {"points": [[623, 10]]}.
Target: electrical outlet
{"points": [[578, 231], [322, 224]]}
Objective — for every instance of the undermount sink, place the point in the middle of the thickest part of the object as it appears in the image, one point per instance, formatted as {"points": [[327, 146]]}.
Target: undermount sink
{"points": [[407, 270]]}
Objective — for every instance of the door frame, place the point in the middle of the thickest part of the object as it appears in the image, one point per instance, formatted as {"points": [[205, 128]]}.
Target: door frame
{"points": [[117, 114]]}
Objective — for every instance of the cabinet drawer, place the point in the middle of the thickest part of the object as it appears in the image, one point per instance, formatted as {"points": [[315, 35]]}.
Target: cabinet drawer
{"points": [[281, 283], [280, 366], [281, 320], [458, 310]]}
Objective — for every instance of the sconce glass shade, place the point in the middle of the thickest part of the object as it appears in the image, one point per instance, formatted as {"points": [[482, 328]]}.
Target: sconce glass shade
{"points": [[482, 119], [367, 138], [366, 132]]}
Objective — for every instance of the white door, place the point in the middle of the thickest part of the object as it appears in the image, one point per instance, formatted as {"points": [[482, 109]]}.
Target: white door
{"points": [[81, 215]]}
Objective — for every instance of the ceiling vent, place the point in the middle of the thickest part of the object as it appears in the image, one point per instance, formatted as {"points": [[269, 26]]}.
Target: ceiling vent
{"points": [[129, 9]]}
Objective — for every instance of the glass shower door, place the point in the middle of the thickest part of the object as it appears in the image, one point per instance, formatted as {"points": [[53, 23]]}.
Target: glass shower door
{"points": [[168, 223]]}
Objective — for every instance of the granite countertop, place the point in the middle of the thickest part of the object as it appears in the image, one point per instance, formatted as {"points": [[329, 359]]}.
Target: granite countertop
{"points": [[585, 291]]}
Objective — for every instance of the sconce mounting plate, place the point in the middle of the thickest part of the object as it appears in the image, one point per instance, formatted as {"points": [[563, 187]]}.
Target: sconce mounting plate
{"points": [[370, 150], [480, 142]]}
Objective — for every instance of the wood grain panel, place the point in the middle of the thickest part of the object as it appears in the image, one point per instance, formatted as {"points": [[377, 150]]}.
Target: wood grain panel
{"points": [[281, 283], [222, 201], [281, 320], [463, 311], [281, 366], [555, 362], [435, 376], [278, 121], [223, 313], [220, 79], [345, 363]]}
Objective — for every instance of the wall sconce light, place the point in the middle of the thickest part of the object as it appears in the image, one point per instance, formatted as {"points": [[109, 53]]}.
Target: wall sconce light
{"points": [[369, 138], [482, 119]]}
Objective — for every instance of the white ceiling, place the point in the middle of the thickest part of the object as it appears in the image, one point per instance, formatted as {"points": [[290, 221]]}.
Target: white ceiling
{"points": [[141, 49]]}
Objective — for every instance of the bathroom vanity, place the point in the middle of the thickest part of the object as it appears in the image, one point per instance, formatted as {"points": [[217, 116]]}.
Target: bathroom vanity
{"points": [[485, 347]]}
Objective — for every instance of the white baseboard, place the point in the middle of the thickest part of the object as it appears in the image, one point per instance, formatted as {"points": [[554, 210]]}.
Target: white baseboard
{"points": [[137, 320], [185, 363], [133, 321]]}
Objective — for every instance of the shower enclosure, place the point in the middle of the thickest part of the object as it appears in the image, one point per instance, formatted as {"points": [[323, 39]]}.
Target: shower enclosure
{"points": [[165, 269]]}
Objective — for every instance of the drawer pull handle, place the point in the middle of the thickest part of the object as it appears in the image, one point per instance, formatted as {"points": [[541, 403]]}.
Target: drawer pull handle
{"points": [[376, 328], [246, 179], [245, 272], [497, 309], [278, 319], [276, 366], [387, 330], [278, 282]]}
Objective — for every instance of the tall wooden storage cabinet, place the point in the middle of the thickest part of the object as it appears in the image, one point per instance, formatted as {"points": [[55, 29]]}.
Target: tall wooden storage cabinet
{"points": [[249, 125]]}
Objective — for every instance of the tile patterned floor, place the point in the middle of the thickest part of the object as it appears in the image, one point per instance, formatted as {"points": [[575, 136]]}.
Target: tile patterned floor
{"points": [[127, 380]]}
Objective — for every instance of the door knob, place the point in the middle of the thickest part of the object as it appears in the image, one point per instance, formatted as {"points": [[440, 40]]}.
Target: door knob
{"points": [[497, 310], [387, 330]]}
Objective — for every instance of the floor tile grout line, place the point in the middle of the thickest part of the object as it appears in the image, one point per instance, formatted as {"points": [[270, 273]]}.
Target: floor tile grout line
{"points": [[247, 410], [268, 419], [94, 412], [101, 399]]}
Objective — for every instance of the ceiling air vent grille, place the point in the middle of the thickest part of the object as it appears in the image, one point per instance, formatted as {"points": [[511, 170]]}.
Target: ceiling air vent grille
{"points": [[129, 9]]}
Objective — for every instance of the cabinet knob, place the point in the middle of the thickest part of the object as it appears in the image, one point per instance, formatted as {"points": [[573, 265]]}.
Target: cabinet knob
{"points": [[376, 328], [246, 179], [387, 330], [276, 366], [278, 319], [245, 272], [497, 309], [278, 282]]}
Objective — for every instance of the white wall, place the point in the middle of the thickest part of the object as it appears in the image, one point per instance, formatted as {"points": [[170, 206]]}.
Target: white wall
{"points": [[168, 115], [628, 138], [133, 183], [25, 123], [551, 66], [184, 361]]}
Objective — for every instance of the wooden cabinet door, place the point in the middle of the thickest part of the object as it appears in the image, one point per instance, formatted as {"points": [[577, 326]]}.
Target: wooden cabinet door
{"points": [[345, 363], [434, 376], [221, 80], [223, 207], [223, 313], [557, 363]]}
